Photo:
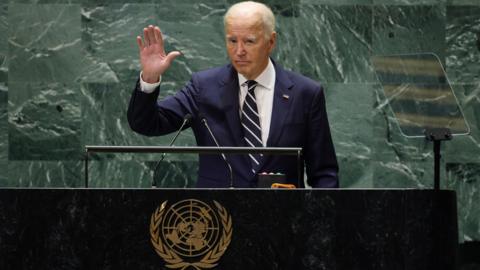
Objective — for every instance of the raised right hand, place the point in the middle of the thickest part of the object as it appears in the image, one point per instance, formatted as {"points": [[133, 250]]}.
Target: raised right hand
{"points": [[153, 59]]}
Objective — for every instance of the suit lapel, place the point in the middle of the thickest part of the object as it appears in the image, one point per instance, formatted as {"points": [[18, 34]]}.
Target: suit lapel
{"points": [[229, 90], [282, 102]]}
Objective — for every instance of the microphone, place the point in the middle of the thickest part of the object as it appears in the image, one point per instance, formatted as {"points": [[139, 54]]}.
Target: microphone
{"points": [[205, 123], [186, 120]]}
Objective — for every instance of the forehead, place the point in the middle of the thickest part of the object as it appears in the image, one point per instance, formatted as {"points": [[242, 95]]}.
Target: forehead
{"points": [[244, 24]]}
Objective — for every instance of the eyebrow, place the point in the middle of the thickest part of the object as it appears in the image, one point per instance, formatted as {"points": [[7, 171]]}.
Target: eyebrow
{"points": [[249, 38]]}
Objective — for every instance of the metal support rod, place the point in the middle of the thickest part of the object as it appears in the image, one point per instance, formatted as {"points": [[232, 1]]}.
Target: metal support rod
{"points": [[292, 151], [300, 168], [437, 135]]}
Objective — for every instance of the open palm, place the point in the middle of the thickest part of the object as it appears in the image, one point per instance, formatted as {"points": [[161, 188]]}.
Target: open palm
{"points": [[153, 58]]}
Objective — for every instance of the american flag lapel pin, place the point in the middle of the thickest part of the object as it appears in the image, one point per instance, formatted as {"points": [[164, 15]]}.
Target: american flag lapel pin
{"points": [[286, 96]]}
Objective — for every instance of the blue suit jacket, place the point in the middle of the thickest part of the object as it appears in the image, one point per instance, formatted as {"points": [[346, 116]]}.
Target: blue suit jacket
{"points": [[297, 121]]}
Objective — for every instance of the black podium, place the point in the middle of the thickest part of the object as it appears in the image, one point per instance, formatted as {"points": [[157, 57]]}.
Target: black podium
{"points": [[227, 229]]}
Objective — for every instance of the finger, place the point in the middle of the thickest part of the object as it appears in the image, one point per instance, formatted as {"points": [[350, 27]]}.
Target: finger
{"points": [[145, 37], [172, 55], [158, 36], [151, 35], [140, 43]]}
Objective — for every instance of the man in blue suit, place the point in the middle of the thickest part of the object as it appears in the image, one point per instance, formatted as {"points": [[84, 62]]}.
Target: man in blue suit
{"points": [[252, 101]]}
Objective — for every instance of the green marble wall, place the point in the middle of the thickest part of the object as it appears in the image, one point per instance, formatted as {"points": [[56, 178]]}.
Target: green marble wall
{"points": [[67, 69]]}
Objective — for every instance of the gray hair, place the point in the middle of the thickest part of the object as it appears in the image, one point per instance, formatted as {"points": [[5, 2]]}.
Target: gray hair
{"points": [[266, 14]]}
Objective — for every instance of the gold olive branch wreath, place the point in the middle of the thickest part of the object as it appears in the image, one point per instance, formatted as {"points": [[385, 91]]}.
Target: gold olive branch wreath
{"points": [[172, 259]]}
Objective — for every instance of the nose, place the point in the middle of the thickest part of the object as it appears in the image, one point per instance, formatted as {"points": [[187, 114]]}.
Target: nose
{"points": [[240, 49]]}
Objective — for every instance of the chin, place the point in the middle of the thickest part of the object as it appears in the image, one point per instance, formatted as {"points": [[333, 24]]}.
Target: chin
{"points": [[242, 71]]}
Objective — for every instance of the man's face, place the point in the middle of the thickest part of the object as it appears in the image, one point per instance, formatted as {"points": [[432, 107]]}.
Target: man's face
{"points": [[247, 45]]}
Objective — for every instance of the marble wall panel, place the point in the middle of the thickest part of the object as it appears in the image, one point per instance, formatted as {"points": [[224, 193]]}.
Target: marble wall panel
{"points": [[396, 173], [409, 29], [409, 2], [466, 148], [328, 43], [44, 43], [463, 44], [44, 121], [110, 32], [46, 1], [3, 94], [189, 36], [161, 2], [104, 114], [465, 179], [3, 122], [174, 174], [338, 2], [349, 108], [119, 174], [3, 42], [388, 138], [108, 38], [399, 161], [139, 174], [32, 173], [4, 173], [3, 90], [464, 2]]}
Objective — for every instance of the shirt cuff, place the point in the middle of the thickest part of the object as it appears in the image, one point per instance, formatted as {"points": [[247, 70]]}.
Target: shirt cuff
{"points": [[149, 87]]}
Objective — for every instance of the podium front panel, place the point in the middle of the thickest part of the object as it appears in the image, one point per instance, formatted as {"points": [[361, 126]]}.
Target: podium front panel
{"points": [[227, 229]]}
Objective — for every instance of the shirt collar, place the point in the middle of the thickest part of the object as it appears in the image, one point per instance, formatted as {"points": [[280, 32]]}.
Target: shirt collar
{"points": [[265, 79]]}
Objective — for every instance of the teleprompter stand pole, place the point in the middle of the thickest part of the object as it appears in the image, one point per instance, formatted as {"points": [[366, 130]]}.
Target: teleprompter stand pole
{"points": [[437, 135]]}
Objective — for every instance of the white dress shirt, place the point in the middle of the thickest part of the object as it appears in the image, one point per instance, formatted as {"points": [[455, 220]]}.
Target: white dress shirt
{"points": [[263, 95]]}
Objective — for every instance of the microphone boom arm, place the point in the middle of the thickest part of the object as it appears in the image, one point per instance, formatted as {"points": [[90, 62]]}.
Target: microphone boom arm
{"points": [[204, 121], [186, 120]]}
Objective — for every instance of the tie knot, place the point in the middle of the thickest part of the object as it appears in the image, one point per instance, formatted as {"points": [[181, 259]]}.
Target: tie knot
{"points": [[251, 84]]}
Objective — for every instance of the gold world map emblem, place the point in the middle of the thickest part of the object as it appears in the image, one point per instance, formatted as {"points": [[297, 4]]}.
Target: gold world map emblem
{"points": [[190, 233]]}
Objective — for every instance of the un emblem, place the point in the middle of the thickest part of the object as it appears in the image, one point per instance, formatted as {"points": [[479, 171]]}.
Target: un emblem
{"points": [[190, 233]]}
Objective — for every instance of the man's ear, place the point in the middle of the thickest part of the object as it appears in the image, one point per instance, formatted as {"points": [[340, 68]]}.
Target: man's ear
{"points": [[273, 41]]}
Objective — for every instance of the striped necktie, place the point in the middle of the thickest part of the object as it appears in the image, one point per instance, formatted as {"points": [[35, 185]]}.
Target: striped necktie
{"points": [[251, 124]]}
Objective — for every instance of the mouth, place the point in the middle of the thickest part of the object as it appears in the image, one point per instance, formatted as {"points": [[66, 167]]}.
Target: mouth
{"points": [[242, 62]]}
